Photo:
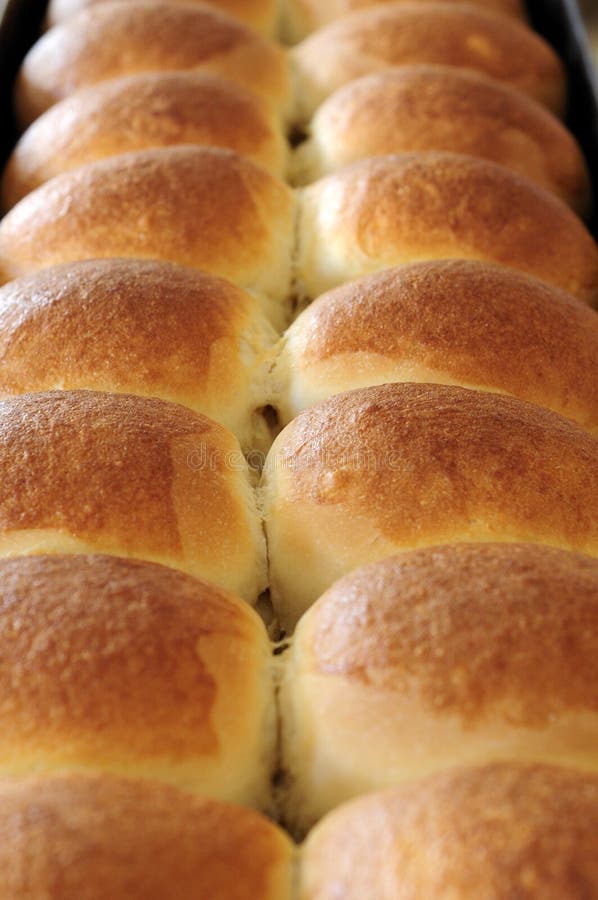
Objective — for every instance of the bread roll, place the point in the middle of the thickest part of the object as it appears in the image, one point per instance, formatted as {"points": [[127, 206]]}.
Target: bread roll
{"points": [[418, 108], [304, 16], [439, 33], [133, 667], [389, 210], [114, 39], [259, 14], [141, 112], [198, 206], [110, 473], [495, 832], [138, 327], [81, 837], [454, 655], [450, 321], [401, 466]]}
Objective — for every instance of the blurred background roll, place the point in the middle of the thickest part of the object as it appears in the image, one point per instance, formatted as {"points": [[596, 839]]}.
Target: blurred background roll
{"points": [[450, 321], [135, 477], [438, 33], [114, 39], [401, 466], [453, 655], [420, 108], [75, 836], [389, 210], [198, 206], [139, 327], [495, 832], [140, 112], [129, 667], [259, 14], [301, 17]]}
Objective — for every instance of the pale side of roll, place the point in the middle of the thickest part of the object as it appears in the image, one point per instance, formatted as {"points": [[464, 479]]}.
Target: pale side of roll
{"points": [[420, 108], [114, 39], [302, 17], [453, 322], [402, 33], [139, 112], [499, 831], [397, 467], [203, 207], [129, 476], [263, 15], [134, 667], [388, 210], [139, 327], [73, 836], [462, 654]]}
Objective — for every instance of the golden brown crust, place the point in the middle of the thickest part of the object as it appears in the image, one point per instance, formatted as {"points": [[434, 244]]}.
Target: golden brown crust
{"points": [[131, 666], [401, 466], [140, 327], [305, 16], [385, 211], [199, 206], [486, 632], [141, 112], [77, 837], [482, 442], [500, 831], [260, 14], [419, 108], [402, 33], [460, 321], [114, 39], [131, 476]]}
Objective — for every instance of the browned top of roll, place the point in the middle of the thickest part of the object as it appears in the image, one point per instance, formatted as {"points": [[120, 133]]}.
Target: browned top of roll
{"points": [[116, 661], [483, 325], [475, 630], [260, 14], [114, 39], [500, 831], [394, 209], [132, 476], [305, 16], [99, 462], [415, 108], [140, 112], [439, 33], [422, 461], [200, 206], [139, 327], [71, 836], [145, 322]]}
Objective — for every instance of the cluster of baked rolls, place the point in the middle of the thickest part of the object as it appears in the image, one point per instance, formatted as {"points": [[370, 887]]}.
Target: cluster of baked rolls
{"points": [[299, 458]]}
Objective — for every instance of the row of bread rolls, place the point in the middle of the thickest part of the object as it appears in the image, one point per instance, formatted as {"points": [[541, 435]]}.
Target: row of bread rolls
{"points": [[163, 204], [110, 40], [190, 204], [212, 209], [378, 471], [446, 655], [499, 831], [119, 649], [459, 654], [292, 19], [481, 657], [406, 109], [150, 328]]}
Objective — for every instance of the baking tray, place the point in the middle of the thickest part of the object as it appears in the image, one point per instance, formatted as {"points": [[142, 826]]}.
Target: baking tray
{"points": [[559, 21]]}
